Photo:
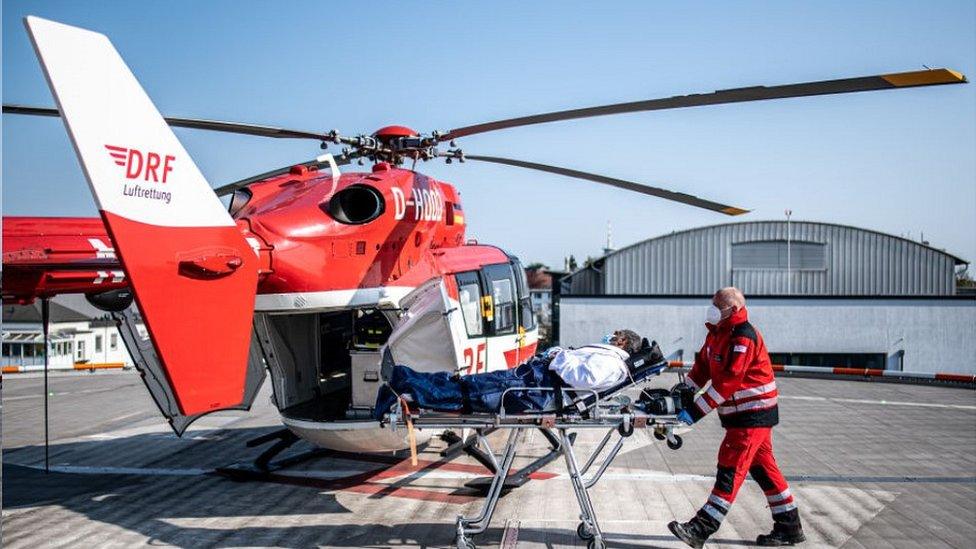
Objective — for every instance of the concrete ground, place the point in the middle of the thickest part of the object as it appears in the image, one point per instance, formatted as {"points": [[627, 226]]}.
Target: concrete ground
{"points": [[871, 465]]}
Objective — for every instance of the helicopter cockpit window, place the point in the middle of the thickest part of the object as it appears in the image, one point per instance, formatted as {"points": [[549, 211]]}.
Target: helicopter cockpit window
{"points": [[469, 296], [503, 297]]}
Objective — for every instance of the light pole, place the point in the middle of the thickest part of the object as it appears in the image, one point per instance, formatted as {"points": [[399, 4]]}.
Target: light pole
{"points": [[789, 262]]}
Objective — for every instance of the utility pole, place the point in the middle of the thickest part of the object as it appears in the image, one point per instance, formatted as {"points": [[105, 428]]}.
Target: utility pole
{"points": [[45, 320], [789, 258], [609, 246]]}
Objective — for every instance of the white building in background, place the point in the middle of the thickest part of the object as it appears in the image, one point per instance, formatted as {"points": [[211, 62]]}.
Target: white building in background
{"points": [[822, 294], [74, 337]]}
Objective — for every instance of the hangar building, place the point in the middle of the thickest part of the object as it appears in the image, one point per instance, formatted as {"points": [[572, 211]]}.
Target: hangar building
{"points": [[822, 294]]}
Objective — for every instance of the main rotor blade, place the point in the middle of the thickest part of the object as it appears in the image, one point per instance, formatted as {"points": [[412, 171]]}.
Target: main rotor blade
{"points": [[231, 187], [195, 123], [619, 183], [738, 95]]}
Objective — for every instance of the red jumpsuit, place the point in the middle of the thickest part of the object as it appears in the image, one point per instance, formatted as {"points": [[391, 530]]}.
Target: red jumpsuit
{"points": [[734, 359]]}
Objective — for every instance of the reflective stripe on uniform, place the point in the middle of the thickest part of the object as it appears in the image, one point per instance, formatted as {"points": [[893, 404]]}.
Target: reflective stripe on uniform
{"points": [[777, 509], [751, 405], [753, 391], [715, 396], [776, 498], [714, 512], [703, 405], [720, 502]]}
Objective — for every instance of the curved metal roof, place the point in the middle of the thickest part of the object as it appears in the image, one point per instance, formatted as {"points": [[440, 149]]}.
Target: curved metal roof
{"points": [[851, 261], [956, 259]]}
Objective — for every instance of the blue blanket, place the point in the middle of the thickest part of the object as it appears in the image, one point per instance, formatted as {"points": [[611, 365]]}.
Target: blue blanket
{"points": [[477, 393]]}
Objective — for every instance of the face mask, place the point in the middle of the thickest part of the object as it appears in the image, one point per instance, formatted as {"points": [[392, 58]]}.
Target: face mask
{"points": [[713, 315], [608, 339]]}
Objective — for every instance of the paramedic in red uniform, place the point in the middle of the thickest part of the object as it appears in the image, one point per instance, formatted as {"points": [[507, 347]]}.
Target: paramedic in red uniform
{"points": [[733, 374]]}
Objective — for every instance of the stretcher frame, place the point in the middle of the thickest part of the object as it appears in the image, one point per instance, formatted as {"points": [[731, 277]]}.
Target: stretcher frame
{"points": [[613, 413]]}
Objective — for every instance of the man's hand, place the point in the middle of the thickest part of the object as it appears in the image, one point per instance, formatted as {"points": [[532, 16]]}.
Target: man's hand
{"points": [[685, 417], [685, 394]]}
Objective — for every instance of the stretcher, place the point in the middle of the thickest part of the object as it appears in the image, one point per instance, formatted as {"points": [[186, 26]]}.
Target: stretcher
{"points": [[577, 409]]}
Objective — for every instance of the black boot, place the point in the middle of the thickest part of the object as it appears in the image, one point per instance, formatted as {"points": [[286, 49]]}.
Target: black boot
{"points": [[779, 538], [694, 532], [786, 531]]}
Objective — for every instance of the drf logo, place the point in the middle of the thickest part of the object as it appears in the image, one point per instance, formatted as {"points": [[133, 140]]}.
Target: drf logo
{"points": [[142, 165]]}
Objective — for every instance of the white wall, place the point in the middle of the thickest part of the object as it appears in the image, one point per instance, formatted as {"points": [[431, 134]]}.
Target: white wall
{"points": [[106, 353], [936, 335], [85, 334]]}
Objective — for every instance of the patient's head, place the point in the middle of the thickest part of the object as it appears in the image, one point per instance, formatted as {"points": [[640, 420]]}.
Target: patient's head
{"points": [[628, 340]]}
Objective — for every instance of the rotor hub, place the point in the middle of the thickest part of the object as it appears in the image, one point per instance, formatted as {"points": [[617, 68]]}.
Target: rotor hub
{"points": [[387, 134], [391, 144]]}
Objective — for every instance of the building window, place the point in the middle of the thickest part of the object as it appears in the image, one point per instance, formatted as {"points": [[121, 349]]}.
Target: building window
{"points": [[774, 254], [98, 344], [114, 342], [81, 350]]}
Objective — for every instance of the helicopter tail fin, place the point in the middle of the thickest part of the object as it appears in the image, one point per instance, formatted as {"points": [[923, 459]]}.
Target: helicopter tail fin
{"points": [[193, 274]]}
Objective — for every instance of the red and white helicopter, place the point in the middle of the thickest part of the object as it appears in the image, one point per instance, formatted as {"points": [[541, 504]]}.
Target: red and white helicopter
{"points": [[311, 271]]}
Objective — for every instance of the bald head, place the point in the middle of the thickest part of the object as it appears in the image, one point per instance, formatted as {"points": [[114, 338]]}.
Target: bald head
{"points": [[728, 301], [729, 297]]}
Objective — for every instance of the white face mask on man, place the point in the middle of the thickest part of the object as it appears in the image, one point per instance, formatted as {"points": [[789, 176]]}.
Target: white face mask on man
{"points": [[713, 315]]}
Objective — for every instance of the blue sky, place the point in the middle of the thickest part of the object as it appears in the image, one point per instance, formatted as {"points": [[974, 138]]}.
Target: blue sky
{"points": [[902, 162]]}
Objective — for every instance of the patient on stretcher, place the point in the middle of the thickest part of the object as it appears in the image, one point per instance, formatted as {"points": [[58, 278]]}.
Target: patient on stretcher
{"points": [[597, 367]]}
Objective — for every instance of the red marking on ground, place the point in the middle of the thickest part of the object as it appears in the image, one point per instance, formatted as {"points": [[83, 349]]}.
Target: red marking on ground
{"points": [[379, 490], [365, 482], [404, 468], [401, 465]]}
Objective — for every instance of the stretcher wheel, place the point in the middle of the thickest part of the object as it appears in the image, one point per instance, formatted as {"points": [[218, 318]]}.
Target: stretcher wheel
{"points": [[625, 429], [465, 543], [596, 544], [583, 532], [676, 444], [659, 435]]}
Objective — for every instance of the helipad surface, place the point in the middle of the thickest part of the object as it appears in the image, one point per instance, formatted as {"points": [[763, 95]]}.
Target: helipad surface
{"points": [[871, 465]]}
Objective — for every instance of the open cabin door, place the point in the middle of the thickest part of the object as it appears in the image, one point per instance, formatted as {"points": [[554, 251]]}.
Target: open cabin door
{"points": [[424, 338], [140, 347]]}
